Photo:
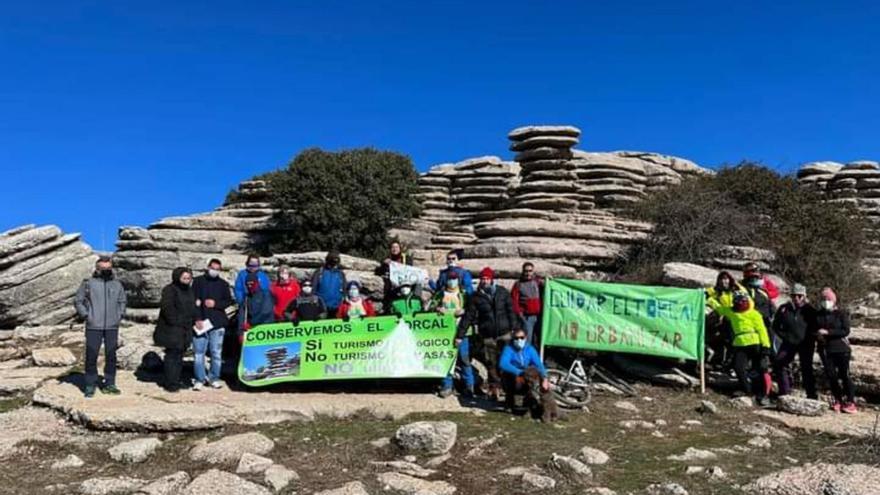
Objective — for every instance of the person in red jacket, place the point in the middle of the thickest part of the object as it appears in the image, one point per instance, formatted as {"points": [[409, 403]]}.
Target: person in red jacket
{"points": [[284, 290], [355, 305], [526, 294]]}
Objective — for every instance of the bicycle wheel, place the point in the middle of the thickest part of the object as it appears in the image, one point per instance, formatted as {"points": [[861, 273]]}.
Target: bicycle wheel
{"points": [[615, 382], [569, 391]]}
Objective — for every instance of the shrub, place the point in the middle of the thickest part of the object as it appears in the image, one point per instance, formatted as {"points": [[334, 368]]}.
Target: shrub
{"points": [[343, 200], [816, 242]]}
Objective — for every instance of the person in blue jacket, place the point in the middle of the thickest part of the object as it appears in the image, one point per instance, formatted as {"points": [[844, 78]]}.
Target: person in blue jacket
{"points": [[252, 265], [464, 276], [329, 282], [516, 358]]}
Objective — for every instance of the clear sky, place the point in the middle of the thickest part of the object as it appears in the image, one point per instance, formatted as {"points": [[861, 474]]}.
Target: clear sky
{"points": [[119, 113]]}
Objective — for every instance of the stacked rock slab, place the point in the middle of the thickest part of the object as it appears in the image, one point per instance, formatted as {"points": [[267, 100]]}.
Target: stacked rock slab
{"points": [[40, 270], [548, 179], [146, 256], [855, 183]]}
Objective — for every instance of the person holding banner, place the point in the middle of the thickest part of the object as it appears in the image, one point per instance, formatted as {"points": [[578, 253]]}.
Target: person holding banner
{"points": [[396, 255], [406, 303], [308, 306], [751, 344], [252, 267], [526, 295], [491, 309], [284, 290], [258, 306], [452, 301], [355, 305], [329, 282]]}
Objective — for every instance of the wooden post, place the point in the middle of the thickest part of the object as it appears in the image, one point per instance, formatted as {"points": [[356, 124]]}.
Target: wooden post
{"points": [[703, 375]]}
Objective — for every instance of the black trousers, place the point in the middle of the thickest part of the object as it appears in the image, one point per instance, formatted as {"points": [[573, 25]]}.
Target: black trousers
{"points": [[806, 351], [172, 367], [94, 338], [746, 363], [837, 371]]}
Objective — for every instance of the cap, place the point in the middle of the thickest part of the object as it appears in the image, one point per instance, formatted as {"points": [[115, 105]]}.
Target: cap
{"points": [[798, 290]]}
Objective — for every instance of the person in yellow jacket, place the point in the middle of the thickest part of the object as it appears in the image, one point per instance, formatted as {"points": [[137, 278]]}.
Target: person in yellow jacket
{"points": [[751, 344], [718, 331]]}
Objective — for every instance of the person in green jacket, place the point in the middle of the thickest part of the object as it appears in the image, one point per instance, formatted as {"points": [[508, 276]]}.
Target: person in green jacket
{"points": [[751, 344], [406, 303]]}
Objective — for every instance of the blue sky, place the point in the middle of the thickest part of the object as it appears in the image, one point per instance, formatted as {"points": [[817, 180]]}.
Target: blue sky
{"points": [[119, 113]]}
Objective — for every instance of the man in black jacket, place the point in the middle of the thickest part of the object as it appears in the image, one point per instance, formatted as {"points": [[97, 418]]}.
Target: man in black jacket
{"points": [[100, 301], [791, 326], [491, 309], [213, 295]]}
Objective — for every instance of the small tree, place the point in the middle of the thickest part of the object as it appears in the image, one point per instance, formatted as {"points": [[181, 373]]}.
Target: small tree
{"points": [[816, 242], [343, 200]]}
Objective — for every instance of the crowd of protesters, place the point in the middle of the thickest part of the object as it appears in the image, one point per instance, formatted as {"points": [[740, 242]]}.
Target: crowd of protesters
{"points": [[746, 332]]}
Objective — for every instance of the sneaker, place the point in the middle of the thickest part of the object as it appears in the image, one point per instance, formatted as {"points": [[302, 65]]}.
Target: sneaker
{"points": [[198, 386], [835, 406], [445, 392], [763, 402], [89, 392], [110, 390], [217, 384], [849, 408], [468, 393]]}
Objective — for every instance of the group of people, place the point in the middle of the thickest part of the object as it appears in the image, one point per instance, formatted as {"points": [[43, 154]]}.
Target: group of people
{"points": [[764, 340]]}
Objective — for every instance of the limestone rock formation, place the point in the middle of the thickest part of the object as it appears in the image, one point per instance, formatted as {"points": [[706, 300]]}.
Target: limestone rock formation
{"points": [[40, 270]]}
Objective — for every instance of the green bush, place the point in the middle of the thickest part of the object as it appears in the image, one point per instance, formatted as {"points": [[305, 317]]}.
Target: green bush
{"points": [[816, 242], [343, 200]]}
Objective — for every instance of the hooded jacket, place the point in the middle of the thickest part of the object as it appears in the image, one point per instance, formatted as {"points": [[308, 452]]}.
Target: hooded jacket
{"points": [[284, 294], [466, 281], [724, 297], [241, 291], [177, 314], [259, 307], [100, 302], [515, 361], [837, 324], [748, 326], [491, 311]]}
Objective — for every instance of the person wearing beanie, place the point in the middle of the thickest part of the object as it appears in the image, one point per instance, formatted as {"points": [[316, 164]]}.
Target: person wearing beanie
{"points": [[751, 345], [308, 306], [831, 329], [284, 290], [790, 326], [491, 309], [355, 305]]}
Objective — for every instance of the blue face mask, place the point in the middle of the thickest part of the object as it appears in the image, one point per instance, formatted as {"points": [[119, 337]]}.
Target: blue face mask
{"points": [[519, 343], [452, 284]]}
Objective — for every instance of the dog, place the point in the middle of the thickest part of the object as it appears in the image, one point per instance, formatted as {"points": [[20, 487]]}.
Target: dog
{"points": [[541, 402]]}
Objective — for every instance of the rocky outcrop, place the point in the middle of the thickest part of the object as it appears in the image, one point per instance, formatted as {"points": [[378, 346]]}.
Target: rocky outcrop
{"points": [[40, 271]]}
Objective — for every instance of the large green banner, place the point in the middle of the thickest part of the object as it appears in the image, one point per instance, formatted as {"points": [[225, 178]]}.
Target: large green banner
{"points": [[420, 346], [639, 319]]}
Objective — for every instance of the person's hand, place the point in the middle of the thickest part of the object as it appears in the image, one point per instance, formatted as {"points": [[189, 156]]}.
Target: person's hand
{"points": [[823, 331], [209, 303], [387, 261], [459, 312], [456, 342], [198, 303], [545, 385]]}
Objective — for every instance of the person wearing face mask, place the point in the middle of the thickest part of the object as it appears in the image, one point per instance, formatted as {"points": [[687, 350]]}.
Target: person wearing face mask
{"points": [[259, 307], [406, 303], [491, 310], [284, 290], [831, 329], [752, 270], [213, 296], [396, 255], [526, 294], [177, 315], [751, 345], [252, 267], [100, 301], [355, 305], [464, 276], [329, 282], [790, 325], [718, 331], [516, 357], [308, 306], [452, 301], [754, 283]]}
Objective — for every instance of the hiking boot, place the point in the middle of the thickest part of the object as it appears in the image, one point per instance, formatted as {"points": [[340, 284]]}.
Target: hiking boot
{"points": [[217, 384], [444, 392], [835, 406], [763, 402], [468, 393], [110, 390], [197, 386], [849, 408], [89, 392]]}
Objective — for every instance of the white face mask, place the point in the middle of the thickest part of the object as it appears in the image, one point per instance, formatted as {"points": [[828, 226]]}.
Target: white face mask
{"points": [[284, 276], [354, 293], [307, 290], [405, 291], [213, 273], [451, 263], [827, 305], [519, 343]]}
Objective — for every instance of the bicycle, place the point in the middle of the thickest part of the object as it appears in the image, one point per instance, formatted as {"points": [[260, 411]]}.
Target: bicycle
{"points": [[573, 388]]}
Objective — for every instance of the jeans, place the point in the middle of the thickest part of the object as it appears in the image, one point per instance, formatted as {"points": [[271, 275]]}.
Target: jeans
{"points": [[213, 341], [93, 345], [464, 361], [529, 324]]}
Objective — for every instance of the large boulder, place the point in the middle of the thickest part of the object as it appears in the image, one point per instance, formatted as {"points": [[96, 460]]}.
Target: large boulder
{"points": [[801, 406], [218, 482], [819, 479], [427, 437], [229, 450]]}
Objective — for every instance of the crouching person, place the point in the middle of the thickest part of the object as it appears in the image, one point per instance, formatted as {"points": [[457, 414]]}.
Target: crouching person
{"points": [[522, 372]]}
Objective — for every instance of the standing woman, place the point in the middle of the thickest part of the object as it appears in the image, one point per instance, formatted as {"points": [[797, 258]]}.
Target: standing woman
{"points": [[831, 331], [175, 328]]}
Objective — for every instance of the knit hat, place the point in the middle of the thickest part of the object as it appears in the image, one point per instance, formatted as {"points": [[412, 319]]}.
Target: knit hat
{"points": [[487, 273], [829, 295], [798, 290]]}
